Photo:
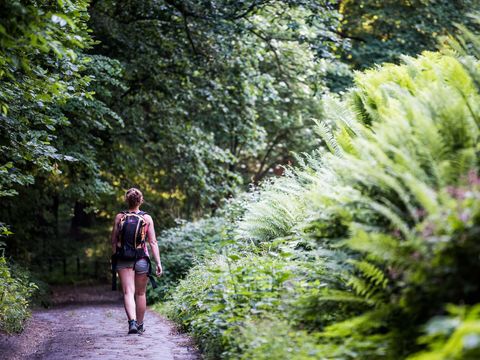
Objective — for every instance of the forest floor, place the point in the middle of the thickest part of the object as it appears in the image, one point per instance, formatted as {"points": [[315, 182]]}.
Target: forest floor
{"points": [[90, 323]]}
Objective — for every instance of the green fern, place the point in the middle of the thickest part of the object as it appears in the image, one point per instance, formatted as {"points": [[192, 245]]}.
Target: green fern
{"points": [[327, 135], [378, 246], [371, 272], [402, 136]]}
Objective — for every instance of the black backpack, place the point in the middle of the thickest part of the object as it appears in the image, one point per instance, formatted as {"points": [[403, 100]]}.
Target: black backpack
{"points": [[132, 233]]}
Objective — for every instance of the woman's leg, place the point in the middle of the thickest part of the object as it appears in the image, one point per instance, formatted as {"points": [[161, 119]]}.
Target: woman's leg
{"points": [[127, 278], [140, 298]]}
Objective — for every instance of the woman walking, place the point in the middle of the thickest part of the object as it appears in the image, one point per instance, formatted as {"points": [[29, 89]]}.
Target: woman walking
{"points": [[129, 234]]}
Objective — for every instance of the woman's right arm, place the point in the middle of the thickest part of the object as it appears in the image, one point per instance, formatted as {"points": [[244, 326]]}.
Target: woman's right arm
{"points": [[152, 239], [114, 237]]}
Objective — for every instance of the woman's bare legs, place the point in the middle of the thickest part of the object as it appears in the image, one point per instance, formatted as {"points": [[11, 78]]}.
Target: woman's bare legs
{"points": [[140, 298], [127, 278], [134, 287]]}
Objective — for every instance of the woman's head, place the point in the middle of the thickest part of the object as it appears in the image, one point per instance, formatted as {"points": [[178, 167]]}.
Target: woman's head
{"points": [[133, 197]]}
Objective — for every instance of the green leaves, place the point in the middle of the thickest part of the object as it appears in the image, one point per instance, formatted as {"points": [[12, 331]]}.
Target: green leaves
{"points": [[380, 32], [233, 290], [35, 85], [15, 292], [186, 246], [452, 336], [377, 232]]}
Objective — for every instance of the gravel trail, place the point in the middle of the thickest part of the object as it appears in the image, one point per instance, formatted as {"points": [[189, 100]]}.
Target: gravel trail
{"points": [[90, 323]]}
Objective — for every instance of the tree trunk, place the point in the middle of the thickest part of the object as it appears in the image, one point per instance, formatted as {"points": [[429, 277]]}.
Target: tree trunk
{"points": [[80, 219]]}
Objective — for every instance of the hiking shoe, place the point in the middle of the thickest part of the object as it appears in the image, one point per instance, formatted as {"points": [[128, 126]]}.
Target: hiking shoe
{"points": [[132, 327], [140, 328]]}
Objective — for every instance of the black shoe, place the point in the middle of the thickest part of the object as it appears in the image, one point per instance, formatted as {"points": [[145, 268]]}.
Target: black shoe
{"points": [[140, 328], [132, 327]]}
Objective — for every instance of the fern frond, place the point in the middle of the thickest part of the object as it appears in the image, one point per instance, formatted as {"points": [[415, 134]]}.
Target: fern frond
{"points": [[371, 272], [381, 247], [342, 296], [358, 325], [365, 289], [327, 135], [337, 113]]}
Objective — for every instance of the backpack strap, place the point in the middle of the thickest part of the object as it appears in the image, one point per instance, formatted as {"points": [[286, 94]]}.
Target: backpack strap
{"points": [[143, 229], [114, 272], [150, 274]]}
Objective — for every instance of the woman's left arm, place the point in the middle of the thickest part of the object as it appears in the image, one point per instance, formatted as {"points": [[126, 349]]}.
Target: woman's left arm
{"points": [[114, 235], [152, 240]]}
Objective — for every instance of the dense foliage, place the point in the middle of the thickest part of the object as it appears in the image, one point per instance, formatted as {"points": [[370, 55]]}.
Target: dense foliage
{"points": [[15, 292], [185, 246], [192, 243], [40, 70], [383, 31], [193, 100], [360, 252], [181, 99]]}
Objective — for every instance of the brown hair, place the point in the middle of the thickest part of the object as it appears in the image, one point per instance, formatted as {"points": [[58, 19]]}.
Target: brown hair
{"points": [[133, 197]]}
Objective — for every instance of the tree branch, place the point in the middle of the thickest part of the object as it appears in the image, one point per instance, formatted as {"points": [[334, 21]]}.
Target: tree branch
{"points": [[265, 172], [272, 48], [345, 36], [189, 35], [253, 6], [184, 11], [262, 170], [273, 143]]}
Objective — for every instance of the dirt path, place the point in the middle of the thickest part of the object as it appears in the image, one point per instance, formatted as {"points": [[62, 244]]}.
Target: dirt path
{"points": [[90, 323]]}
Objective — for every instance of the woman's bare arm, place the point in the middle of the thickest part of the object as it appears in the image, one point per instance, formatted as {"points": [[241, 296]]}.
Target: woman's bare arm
{"points": [[114, 237], [152, 240]]}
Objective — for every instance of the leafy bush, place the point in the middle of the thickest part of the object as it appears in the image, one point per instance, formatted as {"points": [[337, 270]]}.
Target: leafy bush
{"points": [[452, 336], [15, 292], [183, 247], [191, 243], [220, 295], [275, 339]]}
